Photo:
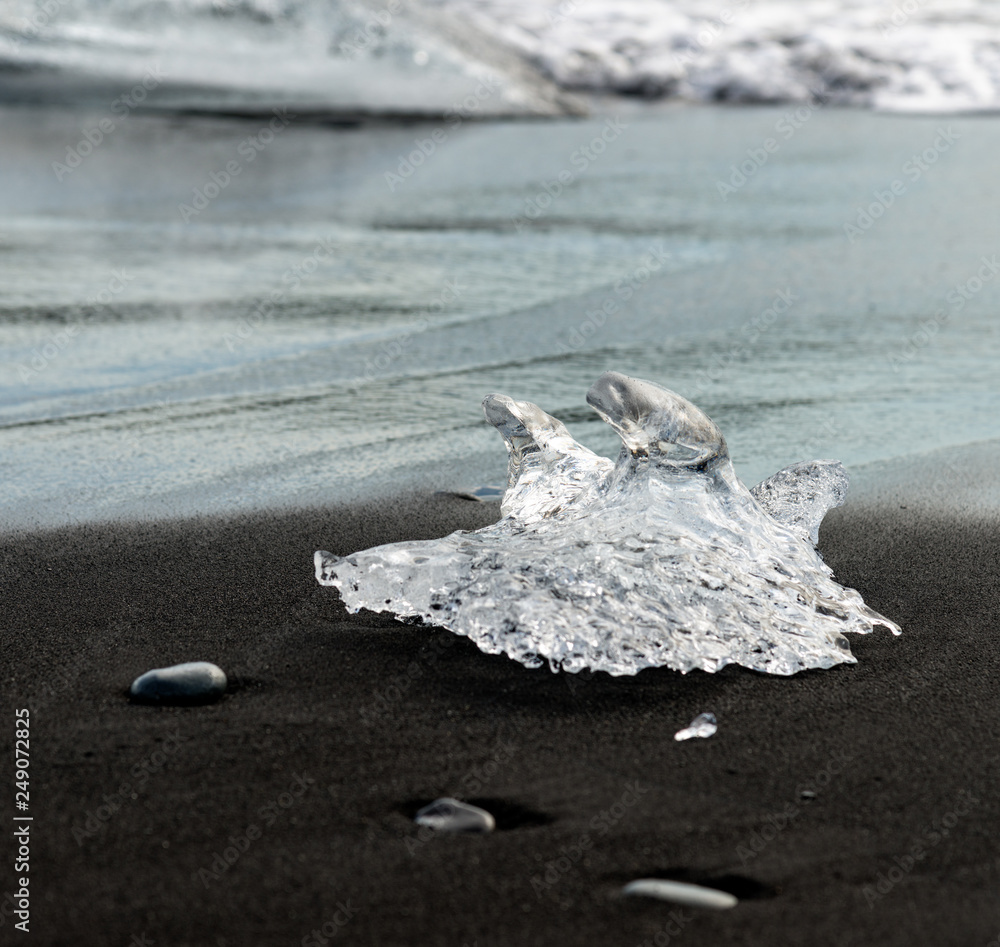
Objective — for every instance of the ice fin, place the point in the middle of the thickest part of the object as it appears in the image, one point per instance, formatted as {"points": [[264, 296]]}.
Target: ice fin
{"points": [[657, 423], [545, 467], [527, 429], [799, 496]]}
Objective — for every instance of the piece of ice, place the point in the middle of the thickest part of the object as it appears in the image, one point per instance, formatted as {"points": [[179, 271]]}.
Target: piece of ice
{"points": [[800, 495], [681, 892], [451, 815], [661, 558], [702, 727]]}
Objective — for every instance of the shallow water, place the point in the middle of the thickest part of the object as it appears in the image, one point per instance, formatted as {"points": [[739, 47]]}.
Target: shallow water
{"points": [[398, 304]]}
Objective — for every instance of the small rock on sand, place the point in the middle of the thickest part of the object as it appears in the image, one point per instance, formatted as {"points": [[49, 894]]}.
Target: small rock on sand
{"points": [[196, 682], [450, 815], [680, 892], [702, 727]]}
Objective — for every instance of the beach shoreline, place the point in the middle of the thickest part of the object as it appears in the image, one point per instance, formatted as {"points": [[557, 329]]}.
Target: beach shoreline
{"points": [[354, 720], [255, 314], [332, 336]]}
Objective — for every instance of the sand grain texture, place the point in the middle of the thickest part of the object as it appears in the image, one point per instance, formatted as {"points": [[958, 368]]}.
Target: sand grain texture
{"points": [[358, 720]]}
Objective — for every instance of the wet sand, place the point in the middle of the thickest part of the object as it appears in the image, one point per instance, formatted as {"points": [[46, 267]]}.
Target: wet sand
{"points": [[285, 808]]}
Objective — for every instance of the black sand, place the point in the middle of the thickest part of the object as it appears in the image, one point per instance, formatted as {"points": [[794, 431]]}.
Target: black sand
{"points": [[358, 719]]}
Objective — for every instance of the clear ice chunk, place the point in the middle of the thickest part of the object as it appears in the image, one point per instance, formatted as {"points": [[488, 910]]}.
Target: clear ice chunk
{"points": [[661, 558], [702, 727]]}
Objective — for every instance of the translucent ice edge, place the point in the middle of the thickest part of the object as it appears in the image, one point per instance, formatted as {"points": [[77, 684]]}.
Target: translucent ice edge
{"points": [[662, 558]]}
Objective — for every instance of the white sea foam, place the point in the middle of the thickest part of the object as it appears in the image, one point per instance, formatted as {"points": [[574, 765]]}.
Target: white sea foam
{"points": [[929, 55], [906, 55]]}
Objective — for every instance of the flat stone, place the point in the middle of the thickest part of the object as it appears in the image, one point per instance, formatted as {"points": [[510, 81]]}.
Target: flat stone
{"points": [[680, 892], [450, 815], [196, 682]]}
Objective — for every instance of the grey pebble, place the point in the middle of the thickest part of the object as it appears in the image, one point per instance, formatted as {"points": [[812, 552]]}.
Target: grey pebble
{"points": [[190, 683], [680, 892], [450, 815]]}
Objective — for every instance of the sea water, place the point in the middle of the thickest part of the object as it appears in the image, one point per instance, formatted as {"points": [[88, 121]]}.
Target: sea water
{"points": [[206, 313]]}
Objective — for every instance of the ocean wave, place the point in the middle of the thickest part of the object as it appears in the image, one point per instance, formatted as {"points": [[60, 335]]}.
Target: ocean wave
{"points": [[391, 57], [923, 55], [320, 59]]}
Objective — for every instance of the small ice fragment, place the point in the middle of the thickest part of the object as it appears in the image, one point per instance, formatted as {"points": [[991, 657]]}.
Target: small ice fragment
{"points": [[450, 815], [703, 726], [807, 794], [680, 892], [196, 682]]}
